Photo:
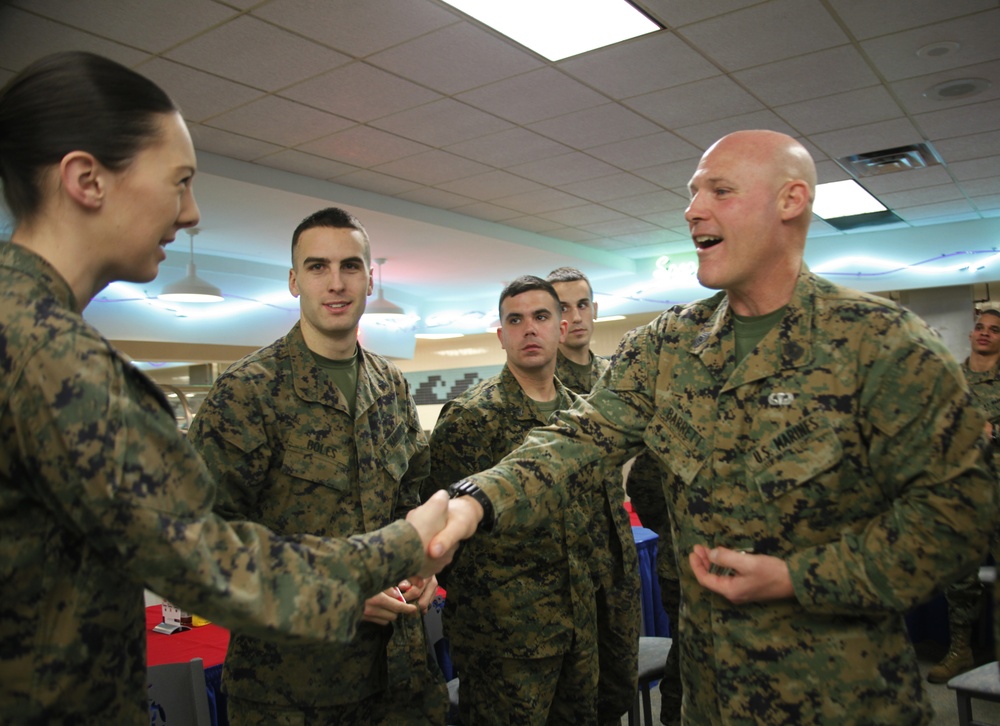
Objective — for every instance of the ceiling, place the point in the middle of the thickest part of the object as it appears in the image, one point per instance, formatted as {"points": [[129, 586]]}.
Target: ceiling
{"points": [[472, 160]]}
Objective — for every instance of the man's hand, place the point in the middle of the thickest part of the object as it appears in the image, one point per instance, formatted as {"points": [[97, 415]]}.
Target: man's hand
{"points": [[429, 519], [464, 515], [753, 578], [389, 605]]}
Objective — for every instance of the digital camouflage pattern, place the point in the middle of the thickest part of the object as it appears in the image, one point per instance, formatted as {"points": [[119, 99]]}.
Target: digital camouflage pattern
{"points": [[619, 611], [100, 495], [278, 436], [845, 444], [527, 594]]}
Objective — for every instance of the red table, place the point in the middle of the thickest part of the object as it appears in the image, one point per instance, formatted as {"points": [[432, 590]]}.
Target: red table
{"points": [[209, 642]]}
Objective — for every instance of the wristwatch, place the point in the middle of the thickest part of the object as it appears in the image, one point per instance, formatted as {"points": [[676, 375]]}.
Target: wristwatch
{"points": [[466, 488]]}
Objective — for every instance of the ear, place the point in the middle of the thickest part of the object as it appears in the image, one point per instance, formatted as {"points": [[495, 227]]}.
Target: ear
{"points": [[371, 281], [500, 336], [84, 178], [563, 329], [293, 283], [794, 200], [594, 305]]}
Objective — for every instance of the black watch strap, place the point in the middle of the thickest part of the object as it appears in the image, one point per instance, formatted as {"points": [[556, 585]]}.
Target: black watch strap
{"points": [[466, 488]]}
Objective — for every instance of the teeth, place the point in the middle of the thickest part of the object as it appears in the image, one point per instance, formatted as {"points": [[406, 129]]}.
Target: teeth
{"points": [[706, 241]]}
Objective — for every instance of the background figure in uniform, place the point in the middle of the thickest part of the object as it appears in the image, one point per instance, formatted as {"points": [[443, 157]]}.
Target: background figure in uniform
{"points": [[965, 597], [823, 454], [315, 435], [100, 494], [618, 611], [521, 610]]}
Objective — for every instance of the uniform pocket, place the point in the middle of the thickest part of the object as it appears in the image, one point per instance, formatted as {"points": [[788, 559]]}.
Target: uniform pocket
{"points": [[796, 455], [674, 440], [315, 466]]}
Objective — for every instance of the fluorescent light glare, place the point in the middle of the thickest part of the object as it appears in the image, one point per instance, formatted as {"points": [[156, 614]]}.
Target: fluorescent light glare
{"points": [[609, 318], [438, 336], [844, 199], [558, 29]]}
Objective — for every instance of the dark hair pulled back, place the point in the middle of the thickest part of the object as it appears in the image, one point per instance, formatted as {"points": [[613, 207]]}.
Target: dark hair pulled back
{"points": [[73, 101]]}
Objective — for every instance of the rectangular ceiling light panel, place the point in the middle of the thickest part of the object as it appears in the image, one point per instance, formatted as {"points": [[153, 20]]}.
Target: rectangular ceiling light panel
{"points": [[844, 199], [558, 29]]}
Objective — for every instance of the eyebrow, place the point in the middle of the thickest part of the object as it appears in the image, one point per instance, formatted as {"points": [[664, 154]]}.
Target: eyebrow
{"points": [[327, 260], [515, 313]]}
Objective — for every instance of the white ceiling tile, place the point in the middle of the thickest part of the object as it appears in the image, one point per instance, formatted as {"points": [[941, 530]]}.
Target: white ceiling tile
{"points": [[572, 235], [615, 186], [360, 92], [224, 143], [199, 95], [435, 198], [357, 28], [830, 171], [674, 13], [595, 126], [508, 148], [853, 108], [432, 167], [708, 100], [974, 146], [670, 220], [147, 24], [538, 225], [921, 195], [374, 181], [455, 59], [988, 203], [895, 56], [306, 164], [645, 151], [911, 91], [675, 174], [705, 134], [533, 96], [924, 211], [982, 187], [975, 168], [765, 33], [538, 202], [620, 227], [24, 38], [234, 51], [869, 19], [934, 176], [584, 214], [960, 121], [564, 169], [487, 211], [794, 79], [280, 121], [364, 146], [870, 137], [442, 122], [664, 59], [491, 185], [649, 203]]}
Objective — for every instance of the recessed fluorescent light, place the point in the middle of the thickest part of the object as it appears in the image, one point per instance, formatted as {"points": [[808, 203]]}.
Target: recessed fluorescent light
{"points": [[557, 29], [844, 199]]}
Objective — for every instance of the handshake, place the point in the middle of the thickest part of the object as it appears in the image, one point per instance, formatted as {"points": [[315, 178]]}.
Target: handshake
{"points": [[442, 524]]}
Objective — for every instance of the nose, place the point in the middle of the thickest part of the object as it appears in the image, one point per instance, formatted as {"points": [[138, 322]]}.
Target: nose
{"points": [[189, 215], [695, 210]]}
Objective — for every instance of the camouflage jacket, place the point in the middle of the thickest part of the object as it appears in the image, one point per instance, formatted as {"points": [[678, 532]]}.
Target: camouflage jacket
{"points": [[571, 378], [100, 495], [279, 439], [522, 594], [845, 444], [985, 389]]}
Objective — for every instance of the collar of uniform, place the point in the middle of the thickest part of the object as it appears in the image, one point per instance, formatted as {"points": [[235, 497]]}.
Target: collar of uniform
{"points": [[311, 384], [27, 262], [522, 406]]}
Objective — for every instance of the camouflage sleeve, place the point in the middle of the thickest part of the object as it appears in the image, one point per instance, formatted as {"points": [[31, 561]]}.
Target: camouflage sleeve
{"points": [[419, 467], [645, 488], [607, 425], [229, 435], [457, 445], [925, 458], [106, 458]]}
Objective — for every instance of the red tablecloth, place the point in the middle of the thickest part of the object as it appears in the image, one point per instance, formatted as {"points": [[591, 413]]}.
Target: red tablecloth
{"points": [[209, 642]]}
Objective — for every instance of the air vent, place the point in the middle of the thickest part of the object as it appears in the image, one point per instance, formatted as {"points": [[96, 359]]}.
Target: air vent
{"points": [[891, 161]]}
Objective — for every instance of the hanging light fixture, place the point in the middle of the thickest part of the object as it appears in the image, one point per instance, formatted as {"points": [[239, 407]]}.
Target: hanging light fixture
{"points": [[381, 306], [191, 288]]}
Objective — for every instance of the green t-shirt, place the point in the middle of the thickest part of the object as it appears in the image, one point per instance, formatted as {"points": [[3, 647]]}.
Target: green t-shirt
{"points": [[343, 374], [751, 330]]}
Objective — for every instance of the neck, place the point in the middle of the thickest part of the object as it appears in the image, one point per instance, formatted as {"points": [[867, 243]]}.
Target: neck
{"points": [[581, 356], [768, 295], [72, 258], [340, 346], [980, 363], [538, 384]]}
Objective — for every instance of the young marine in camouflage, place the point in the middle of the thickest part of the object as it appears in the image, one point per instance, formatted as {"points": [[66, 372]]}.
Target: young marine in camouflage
{"points": [[300, 450], [841, 455]]}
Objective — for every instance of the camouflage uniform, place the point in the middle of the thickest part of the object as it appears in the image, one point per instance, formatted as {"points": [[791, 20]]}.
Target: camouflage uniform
{"points": [[845, 444], [101, 495], [520, 606], [279, 438], [619, 613]]}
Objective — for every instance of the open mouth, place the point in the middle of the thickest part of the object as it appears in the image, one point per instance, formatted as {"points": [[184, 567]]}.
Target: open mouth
{"points": [[706, 242]]}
